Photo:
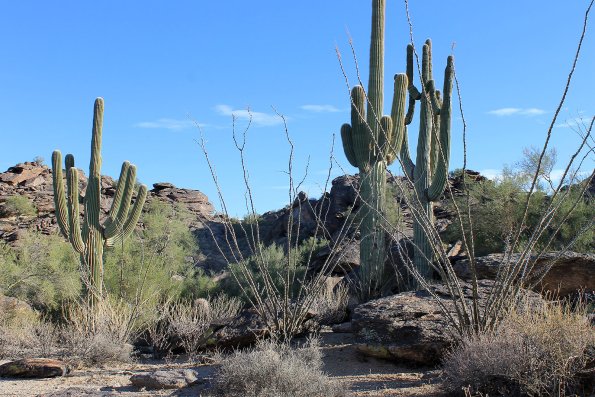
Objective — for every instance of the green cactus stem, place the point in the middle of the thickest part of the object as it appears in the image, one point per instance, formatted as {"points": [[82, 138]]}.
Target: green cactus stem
{"points": [[90, 239], [370, 143], [429, 172]]}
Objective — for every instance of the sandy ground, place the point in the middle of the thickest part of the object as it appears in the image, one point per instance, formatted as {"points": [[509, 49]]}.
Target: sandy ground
{"points": [[365, 376]]}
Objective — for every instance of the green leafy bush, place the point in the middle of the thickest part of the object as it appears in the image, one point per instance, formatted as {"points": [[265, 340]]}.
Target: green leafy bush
{"points": [[274, 261], [19, 206], [158, 261], [497, 209], [42, 270]]}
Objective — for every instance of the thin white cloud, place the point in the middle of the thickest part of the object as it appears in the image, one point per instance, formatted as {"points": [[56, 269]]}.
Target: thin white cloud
{"points": [[502, 112], [320, 108], [258, 118], [574, 123], [166, 124]]}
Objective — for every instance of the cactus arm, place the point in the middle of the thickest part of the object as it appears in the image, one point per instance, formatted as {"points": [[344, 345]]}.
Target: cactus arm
{"points": [[408, 165], [430, 74], [384, 138], [59, 195], [425, 64], [117, 201], [117, 225], [133, 218], [347, 140], [441, 176], [414, 94], [73, 211], [398, 117], [360, 131]]}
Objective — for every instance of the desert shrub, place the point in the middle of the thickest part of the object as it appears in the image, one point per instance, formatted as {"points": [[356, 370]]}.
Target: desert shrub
{"points": [[497, 208], [100, 334], [189, 323], [275, 369], [330, 306], [274, 260], [19, 206], [156, 263], [535, 353], [42, 270]]}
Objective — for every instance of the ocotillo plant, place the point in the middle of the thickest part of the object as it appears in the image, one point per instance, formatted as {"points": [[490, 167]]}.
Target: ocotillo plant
{"points": [[369, 144], [89, 241], [429, 173]]}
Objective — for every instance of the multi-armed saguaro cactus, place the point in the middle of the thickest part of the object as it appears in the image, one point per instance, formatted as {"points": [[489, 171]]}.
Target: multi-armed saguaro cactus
{"points": [[90, 241], [429, 173], [370, 144]]}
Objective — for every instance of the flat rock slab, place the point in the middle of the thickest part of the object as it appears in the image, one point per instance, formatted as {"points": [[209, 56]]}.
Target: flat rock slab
{"points": [[34, 368], [176, 379]]}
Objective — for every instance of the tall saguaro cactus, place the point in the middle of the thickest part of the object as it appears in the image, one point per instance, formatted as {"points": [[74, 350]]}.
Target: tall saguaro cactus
{"points": [[370, 144], [429, 173], [90, 240]]}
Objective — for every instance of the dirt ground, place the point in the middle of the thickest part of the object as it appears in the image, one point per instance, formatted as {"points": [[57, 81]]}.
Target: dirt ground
{"points": [[365, 376]]}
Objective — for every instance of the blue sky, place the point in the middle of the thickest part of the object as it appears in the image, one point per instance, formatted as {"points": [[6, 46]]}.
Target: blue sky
{"points": [[161, 66]]}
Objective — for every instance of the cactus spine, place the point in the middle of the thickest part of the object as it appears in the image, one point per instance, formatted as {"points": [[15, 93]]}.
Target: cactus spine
{"points": [[90, 240], [429, 173], [370, 144]]}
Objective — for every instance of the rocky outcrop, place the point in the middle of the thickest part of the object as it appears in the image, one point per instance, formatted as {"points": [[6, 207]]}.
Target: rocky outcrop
{"points": [[34, 368], [33, 181], [569, 273], [411, 327]]}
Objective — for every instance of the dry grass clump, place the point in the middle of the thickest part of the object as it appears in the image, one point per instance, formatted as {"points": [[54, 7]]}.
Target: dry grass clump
{"points": [[100, 334], [534, 353], [274, 369], [186, 324], [331, 305]]}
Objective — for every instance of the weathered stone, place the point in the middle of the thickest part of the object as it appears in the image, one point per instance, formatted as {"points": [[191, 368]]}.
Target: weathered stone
{"points": [[570, 272], [174, 379], [242, 331], [34, 368], [411, 327]]}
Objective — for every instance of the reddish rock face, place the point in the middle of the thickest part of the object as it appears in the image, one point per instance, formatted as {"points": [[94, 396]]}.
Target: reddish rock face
{"points": [[34, 368], [34, 181]]}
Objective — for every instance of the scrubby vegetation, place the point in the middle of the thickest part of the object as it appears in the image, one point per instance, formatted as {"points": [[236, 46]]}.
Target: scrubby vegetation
{"points": [[533, 352], [276, 369], [497, 208]]}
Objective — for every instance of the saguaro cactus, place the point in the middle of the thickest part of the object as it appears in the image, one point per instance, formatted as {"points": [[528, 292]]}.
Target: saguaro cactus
{"points": [[370, 144], [429, 173], [89, 241]]}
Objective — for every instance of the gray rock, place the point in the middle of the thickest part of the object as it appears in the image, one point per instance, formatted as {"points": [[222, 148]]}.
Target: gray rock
{"points": [[410, 327], [571, 272], [175, 379]]}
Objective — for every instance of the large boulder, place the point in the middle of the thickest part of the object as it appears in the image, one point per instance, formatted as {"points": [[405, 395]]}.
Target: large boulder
{"points": [[569, 272], [411, 327], [34, 368]]}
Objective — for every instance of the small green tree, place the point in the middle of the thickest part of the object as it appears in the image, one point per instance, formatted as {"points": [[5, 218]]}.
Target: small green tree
{"points": [[19, 206]]}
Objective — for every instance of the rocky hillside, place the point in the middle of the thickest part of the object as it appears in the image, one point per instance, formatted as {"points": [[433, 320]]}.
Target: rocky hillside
{"points": [[33, 182]]}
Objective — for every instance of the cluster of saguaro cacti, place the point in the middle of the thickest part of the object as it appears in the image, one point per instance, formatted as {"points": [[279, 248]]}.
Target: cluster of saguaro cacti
{"points": [[370, 144], [429, 173], [89, 241]]}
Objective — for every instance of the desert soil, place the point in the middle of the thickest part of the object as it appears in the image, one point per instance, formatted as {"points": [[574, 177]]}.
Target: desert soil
{"points": [[366, 377]]}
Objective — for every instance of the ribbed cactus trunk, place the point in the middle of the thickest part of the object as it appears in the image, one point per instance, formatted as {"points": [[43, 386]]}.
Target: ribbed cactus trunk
{"points": [[372, 230], [93, 254], [370, 144], [90, 240]]}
